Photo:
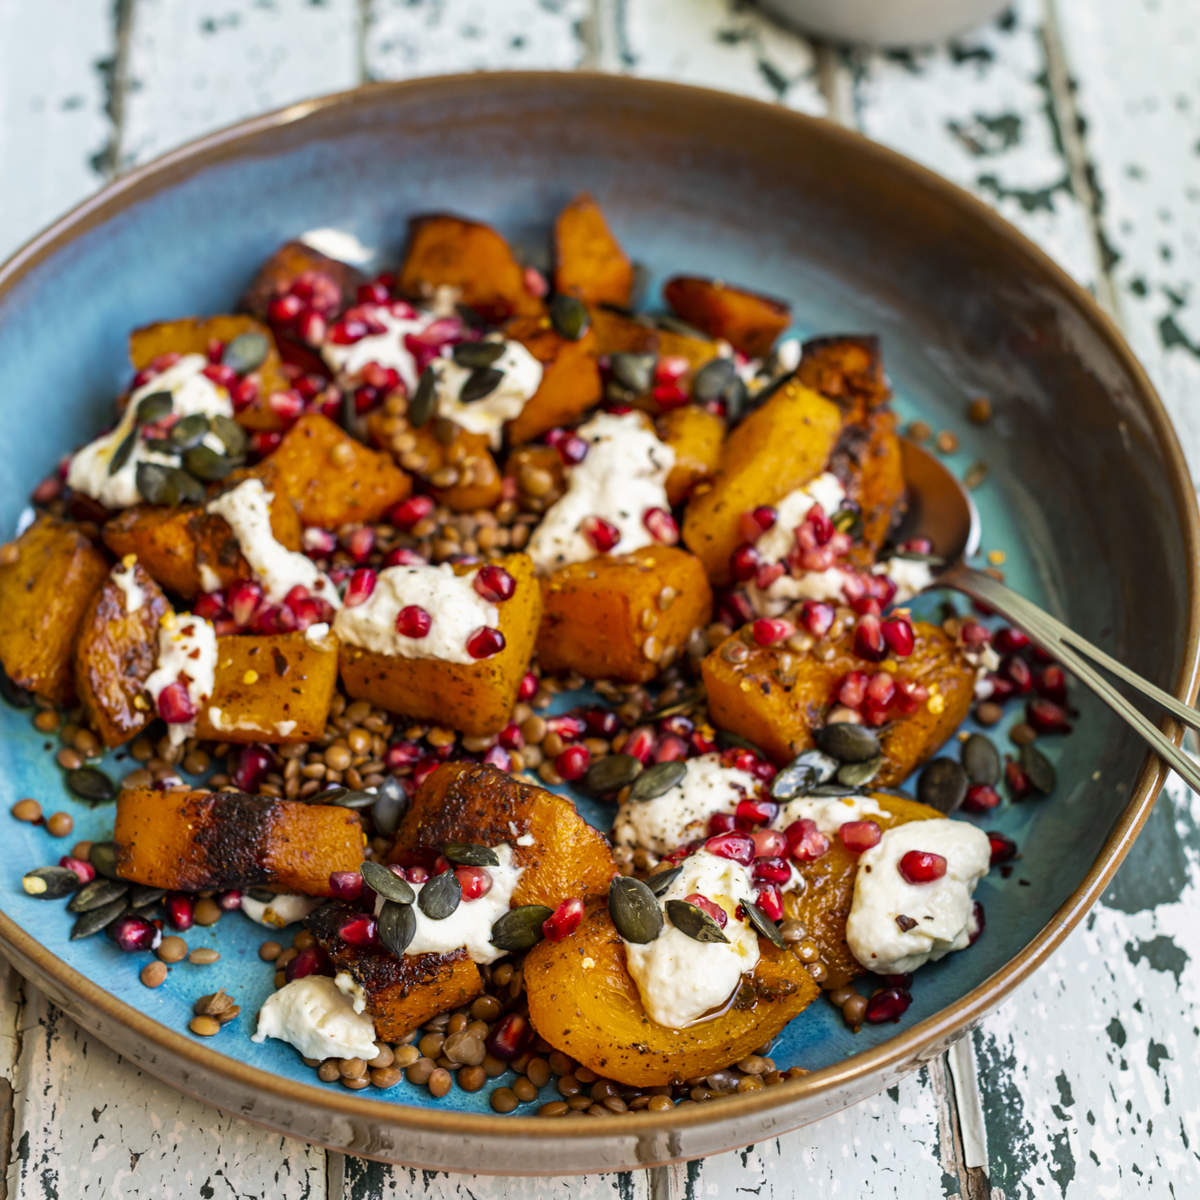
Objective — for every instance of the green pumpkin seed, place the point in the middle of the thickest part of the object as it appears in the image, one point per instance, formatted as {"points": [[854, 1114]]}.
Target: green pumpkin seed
{"points": [[123, 451], [663, 879], [634, 910], [18, 697], [96, 919], [50, 883], [674, 324], [352, 799], [153, 407], [477, 354], [847, 742], [610, 774], [438, 898], [727, 740], [824, 791], [247, 352], [1039, 769], [261, 895], [762, 924], [656, 780], [232, 435], [521, 927], [942, 784], [569, 317], [420, 407], [387, 883], [804, 772], [736, 398], [859, 774], [396, 926], [480, 384], [471, 855], [152, 481], [633, 371], [981, 759], [96, 894], [160, 445], [189, 431], [848, 519], [103, 856], [329, 795], [91, 784], [205, 463], [685, 703], [390, 805], [143, 895], [694, 921], [934, 560], [709, 384]]}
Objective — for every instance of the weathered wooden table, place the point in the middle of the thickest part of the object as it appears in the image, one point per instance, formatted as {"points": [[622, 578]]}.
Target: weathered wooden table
{"points": [[1080, 121]]}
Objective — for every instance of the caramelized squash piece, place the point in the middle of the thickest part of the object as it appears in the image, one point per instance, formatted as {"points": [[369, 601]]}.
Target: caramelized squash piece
{"points": [[624, 617], [401, 993], [776, 449], [588, 260], [475, 697], [192, 335], [117, 651], [189, 840], [448, 251], [293, 259], [696, 436], [271, 689], [847, 369], [562, 855], [45, 593], [570, 378], [748, 321], [871, 453], [778, 706], [332, 478], [584, 1002]]}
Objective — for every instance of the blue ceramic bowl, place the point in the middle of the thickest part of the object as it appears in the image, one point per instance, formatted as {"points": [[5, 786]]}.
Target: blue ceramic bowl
{"points": [[857, 239]]}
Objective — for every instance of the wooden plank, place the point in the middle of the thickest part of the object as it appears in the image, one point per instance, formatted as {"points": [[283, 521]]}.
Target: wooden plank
{"points": [[376, 1181], [89, 1124]]}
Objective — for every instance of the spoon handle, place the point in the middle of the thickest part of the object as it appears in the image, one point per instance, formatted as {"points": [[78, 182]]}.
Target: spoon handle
{"points": [[1069, 648]]}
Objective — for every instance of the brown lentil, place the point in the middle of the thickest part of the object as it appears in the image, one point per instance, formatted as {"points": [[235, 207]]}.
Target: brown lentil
{"points": [[660, 1103], [554, 1108], [431, 1045], [206, 911], [493, 1066], [204, 1026], [303, 940], [153, 974], [172, 949], [386, 1077], [27, 810], [440, 1082], [82, 851], [988, 712], [69, 759], [46, 721], [203, 956], [524, 1090], [60, 824], [270, 951], [979, 411], [568, 1086], [87, 743], [1022, 734], [465, 1048], [383, 1056], [286, 956], [538, 1072], [919, 431], [355, 1085], [328, 1071], [471, 1079], [504, 1100], [946, 442], [352, 1068], [855, 1009], [420, 1071], [405, 1056], [579, 1103]]}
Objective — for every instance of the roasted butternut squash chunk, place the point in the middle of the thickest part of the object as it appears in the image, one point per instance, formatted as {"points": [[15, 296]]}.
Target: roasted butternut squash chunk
{"points": [[332, 478], [823, 903], [191, 840], [777, 705], [475, 697], [292, 260], [775, 450], [180, 547], [748, 321], [588, 260], [848, 369], [45, 593], [274, 688], [584, 1002], [117, 651], [401, 993], [871, 453], [617, 333], [570, 378], [625, 617], [695, 435], [448, 251], [192, 335], [468, 802]]}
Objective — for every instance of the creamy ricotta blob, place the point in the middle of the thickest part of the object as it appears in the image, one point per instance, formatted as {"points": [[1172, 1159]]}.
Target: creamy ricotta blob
{"points": [[187, 653], [938, 917], [317, 1017], [456, 610], [910, 575], [829, 813], [680, 979], [622, 476], [90, 470], [132, 593], [279, 911], [522, 376], [386, 348]]}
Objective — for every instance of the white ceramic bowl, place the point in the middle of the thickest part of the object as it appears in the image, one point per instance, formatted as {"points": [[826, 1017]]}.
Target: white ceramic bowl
{"points": [[884, 22]]}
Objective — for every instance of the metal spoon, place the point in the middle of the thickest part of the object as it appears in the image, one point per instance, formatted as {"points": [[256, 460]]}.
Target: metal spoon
{"points": [[940, 510]]}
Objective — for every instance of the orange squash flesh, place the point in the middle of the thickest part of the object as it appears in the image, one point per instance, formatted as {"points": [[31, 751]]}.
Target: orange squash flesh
{"points": [[588, 260], [286, 265], [750, 322], [847, 369], [570, 383], [696, 436]]}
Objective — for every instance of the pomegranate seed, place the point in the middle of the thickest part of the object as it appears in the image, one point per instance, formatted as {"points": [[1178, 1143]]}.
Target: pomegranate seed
{"points": [[567, 725], [529, 686], [670, 367], [535, 282], [974, 634], [670, 748], [133, 933], [346, 885], [274, 618], [603, 535], [661, 525], [921, 866], [899, 635], [222, 376], [737, 846], [413, 621], [769, 843], [852, 690], [910, 695], [175, 706], [867, 606], [980, 798], [402, 556], [312, 960], [564, 920], [1047, 717], [375, 292], [1051, 682], [474, 881], [484, 642], [753, 524], [263, 442], [640, 743], [1002, 689], [603, 722], [769, 899], [319, 542], [980, 923], [768, 573], [880, 690], [711, 907], [890, 1004], [1018, 672], [408, 512], [84, 870], [358, 931], [230, 901], [284, 309], [744, 562], [1004, 849], [180, 910], [817, 617], [572, 449], [758, 811], [361, 542], [868, 639], [1018, 783], [508, 1039], [245, 596], [401, 754], [417, 875], [244, 393], [768, 632], [572, 762], [360, 587], [720, 823], [858, 836], [805, 841], [253, 763], [209, 605], [511, 736], [1009, 640], [498, 757], [494, 583], [772, 870]]}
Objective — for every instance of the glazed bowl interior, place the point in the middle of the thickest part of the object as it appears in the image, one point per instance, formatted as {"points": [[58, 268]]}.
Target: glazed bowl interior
{"points": [[1086, 496]]}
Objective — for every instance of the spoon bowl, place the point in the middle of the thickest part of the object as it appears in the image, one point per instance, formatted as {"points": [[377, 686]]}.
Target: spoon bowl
{"points": [[939, 507]]}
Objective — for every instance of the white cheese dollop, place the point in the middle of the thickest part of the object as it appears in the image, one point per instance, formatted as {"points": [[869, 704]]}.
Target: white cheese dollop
{"points": [[829, 812], [281, 910], [522, 378], [910, 575], [191, 392], [624, 474], [318, 1018], [680, 979], [451, 600], [681, 813], [387, 348], [132, 592], [247, 509], [942, 910], [187, 650]]}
